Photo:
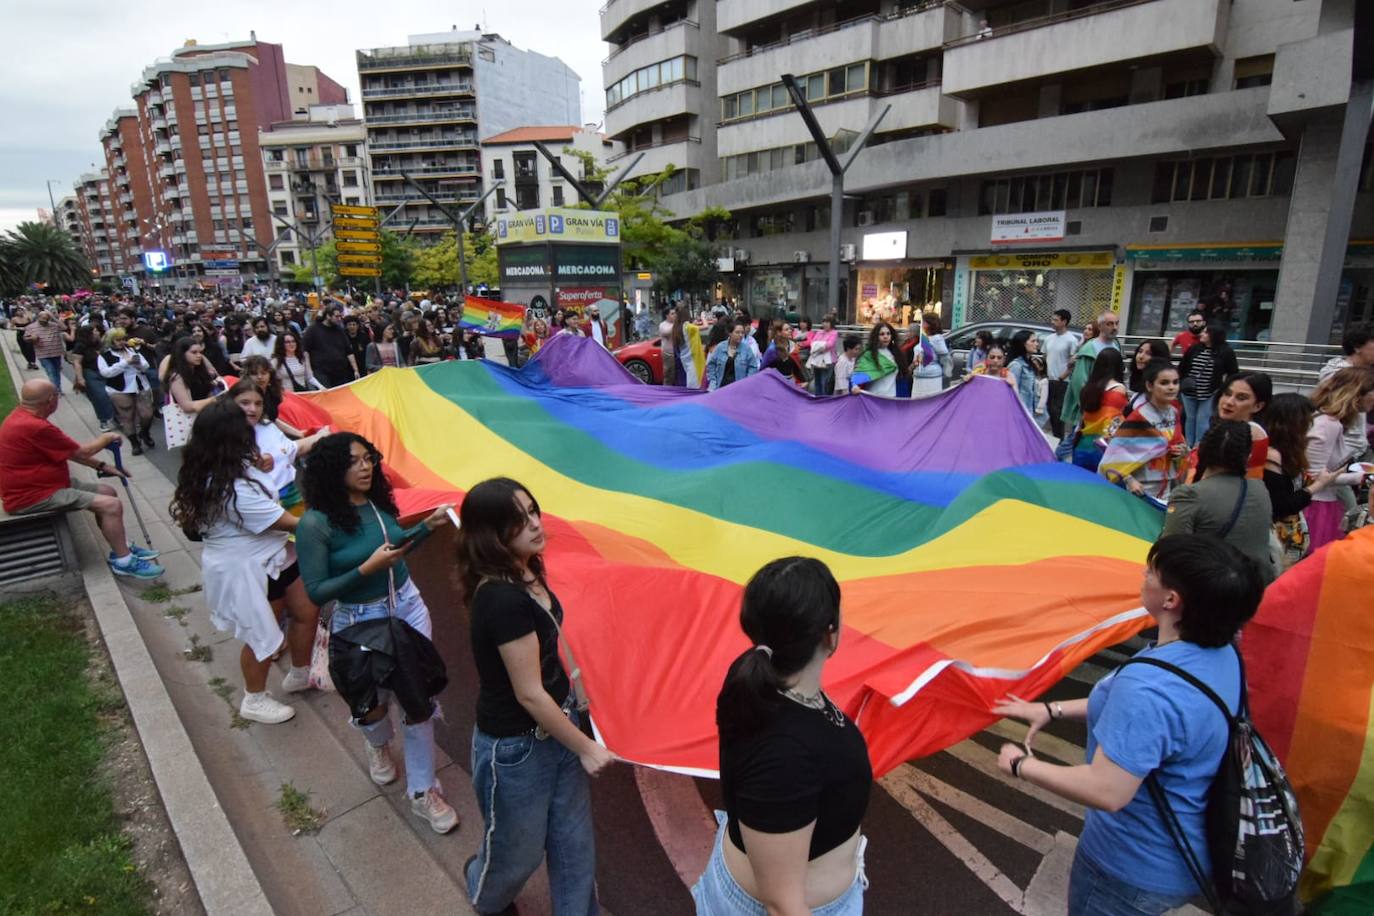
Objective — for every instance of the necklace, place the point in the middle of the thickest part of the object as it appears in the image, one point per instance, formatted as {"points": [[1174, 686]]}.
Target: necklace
{"points": [[819, 702]]}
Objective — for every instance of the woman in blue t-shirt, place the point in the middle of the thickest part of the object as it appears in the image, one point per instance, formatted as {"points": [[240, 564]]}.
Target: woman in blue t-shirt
{"points": [[1144, 720]]}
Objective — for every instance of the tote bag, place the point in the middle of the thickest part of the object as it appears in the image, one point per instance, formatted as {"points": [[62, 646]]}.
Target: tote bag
{"points": [[176, 425]]}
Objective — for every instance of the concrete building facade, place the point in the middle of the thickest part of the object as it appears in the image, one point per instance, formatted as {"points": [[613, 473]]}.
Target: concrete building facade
{"points": [[428, 104], [184, 169], [1146, 155], [660, 80], [528, 180], [310, 164]]}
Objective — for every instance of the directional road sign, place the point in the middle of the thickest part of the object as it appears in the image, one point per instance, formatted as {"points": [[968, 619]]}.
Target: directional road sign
{"points": [[359, 271], [355, 222], [348, 210], [358, 259], [360, 247], [357, 235]]}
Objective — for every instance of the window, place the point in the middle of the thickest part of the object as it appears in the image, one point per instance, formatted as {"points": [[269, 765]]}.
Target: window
{"points": [[288, 259], [1254, 71], [279, 209], [500, 198], [351, 150], [350, 179], [1244, 175], [275, 183], [558, 195], [1035, 193], [658, 74]]}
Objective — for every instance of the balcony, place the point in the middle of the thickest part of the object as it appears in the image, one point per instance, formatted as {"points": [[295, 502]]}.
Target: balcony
{"points": [[119, 161], [167, 170], [418, 91], [158, 122], [445, 196], [174, 141], [126, 198], [737, 13], [456, 142], [276, 165], [422, 57], [679, 98], [1111, 32], [457, 169], [682, 37], [424, 117], [154, 98], [163, 147]]}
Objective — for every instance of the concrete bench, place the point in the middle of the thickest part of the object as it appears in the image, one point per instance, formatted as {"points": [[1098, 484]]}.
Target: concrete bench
{"points": [[35, 546]]}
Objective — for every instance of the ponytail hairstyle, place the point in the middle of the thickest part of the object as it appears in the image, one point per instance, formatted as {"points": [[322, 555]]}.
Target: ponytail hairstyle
{"points": [[790, 606], [1225, 446]]}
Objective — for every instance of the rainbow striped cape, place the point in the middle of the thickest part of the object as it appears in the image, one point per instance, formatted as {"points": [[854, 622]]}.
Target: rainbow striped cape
{"points": [[1309, 656], [971, 562], [1138, 443], [492, 318]]}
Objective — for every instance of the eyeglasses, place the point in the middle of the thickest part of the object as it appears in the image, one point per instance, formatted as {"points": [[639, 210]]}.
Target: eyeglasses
{"points": [[359, 461]]}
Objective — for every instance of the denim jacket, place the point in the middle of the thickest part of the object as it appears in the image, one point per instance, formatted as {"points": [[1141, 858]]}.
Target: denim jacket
{"points": [[746, 363]]}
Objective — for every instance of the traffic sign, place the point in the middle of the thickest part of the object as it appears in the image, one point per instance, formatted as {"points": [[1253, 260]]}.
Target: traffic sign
{"points": [[355, 222], [359, 247], [359, 271], [358, 259], [348, 210], [357, 235]]}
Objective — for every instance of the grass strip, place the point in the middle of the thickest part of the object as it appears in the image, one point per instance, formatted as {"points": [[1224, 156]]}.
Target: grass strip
{"points": [[61, 849]]}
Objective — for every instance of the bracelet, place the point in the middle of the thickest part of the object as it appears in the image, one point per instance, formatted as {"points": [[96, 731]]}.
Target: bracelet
{"points": [[1016, 765], [1049, 709]]}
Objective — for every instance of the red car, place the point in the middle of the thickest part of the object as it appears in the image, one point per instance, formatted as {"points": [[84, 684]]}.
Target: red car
{"points": [[644, 360]]}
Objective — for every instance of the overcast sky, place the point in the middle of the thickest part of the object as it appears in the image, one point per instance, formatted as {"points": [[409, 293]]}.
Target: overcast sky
{"points": [[68, 64]]}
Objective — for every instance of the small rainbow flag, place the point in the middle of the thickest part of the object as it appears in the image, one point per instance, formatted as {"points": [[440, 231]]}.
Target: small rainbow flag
{"points": [[492, 318], [1309, 653]]}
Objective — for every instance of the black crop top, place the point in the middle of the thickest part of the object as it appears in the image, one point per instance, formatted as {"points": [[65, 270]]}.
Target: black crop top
{"points": [[800, 768]]}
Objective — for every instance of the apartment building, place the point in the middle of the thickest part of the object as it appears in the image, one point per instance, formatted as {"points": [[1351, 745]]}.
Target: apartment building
{"points": [[660, 80], [183, 168], [96, 217], [1144, 155], [428, 104], [309, 165], [528, 181]]}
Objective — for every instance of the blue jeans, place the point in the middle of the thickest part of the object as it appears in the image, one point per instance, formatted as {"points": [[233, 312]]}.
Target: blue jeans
{"points": [[419, 738], [823, 381], [1197, 417], [717, 893], [52, 365], [98, 395], [535, 799], [1093, 892]]}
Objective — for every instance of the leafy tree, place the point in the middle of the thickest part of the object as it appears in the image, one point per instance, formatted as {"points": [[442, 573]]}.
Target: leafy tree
{"points": [[42, 253], [398, 260], [680, 256], [327, 259], [436, 266]]}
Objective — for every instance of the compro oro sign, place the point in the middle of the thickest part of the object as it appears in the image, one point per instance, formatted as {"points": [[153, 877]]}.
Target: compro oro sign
{"points": [[883, 246], [1028, 227], [559, 224]]}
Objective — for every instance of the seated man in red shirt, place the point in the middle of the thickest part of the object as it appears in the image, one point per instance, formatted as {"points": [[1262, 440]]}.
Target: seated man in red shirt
{"points": [[34, 476]]}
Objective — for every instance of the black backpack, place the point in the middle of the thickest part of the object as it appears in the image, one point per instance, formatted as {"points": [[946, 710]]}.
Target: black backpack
{"points": [[1254, 832]]}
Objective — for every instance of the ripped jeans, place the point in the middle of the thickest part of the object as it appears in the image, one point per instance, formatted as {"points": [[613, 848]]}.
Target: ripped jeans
{"points": [[717, 893], [419, 739]]}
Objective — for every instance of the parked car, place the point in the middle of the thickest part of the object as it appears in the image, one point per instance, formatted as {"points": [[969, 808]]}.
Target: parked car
{"points": [[960, 340], [643, 360]]}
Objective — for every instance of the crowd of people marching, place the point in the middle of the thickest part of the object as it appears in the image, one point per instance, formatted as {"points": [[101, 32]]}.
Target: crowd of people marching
{"points": [[1250, 480]]}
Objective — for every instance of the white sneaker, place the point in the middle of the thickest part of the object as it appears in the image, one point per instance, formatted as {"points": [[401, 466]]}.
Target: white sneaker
{"points": [[261, 707], [379, 764], [296, 680], [432, 807]]}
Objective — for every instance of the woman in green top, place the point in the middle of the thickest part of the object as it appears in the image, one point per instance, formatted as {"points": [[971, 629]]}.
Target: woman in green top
{"points": [[351, 551]]}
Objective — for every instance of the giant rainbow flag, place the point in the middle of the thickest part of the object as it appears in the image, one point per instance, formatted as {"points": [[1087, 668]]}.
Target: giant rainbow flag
{"points": [[971, 562], [1309, 656]]}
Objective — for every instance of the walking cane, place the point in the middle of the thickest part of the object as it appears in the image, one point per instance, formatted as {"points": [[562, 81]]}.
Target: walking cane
{"points": [[119, 463]]}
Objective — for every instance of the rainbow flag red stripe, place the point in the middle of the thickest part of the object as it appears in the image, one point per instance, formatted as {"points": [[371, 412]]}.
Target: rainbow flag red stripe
{"points": [[1309, 656], [492, 318]]}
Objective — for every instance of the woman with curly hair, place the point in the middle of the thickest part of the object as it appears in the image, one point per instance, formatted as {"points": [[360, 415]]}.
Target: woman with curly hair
{"points": [[352, 551], [293, 364], [530, 758], [225, 498], [882, 362]]}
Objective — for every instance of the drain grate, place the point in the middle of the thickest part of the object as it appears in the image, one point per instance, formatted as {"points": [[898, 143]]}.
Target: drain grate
{"points": [[31, 548]]}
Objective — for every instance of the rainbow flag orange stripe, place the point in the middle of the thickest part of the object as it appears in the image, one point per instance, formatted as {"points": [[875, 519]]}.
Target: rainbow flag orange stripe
{"points": [[971, 562], [1309, 656], [491, 317]]}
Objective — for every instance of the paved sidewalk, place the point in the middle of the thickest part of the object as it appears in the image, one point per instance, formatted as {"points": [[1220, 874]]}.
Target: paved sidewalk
{"points": [[372, 856]]}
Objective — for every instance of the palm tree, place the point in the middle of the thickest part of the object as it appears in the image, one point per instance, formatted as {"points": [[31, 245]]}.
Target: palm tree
{"points": [[43, 253]]}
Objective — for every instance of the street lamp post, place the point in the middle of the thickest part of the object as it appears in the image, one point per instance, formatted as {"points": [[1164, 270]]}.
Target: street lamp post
{"points": [[459, 221], [837, 170], [57, 223]]}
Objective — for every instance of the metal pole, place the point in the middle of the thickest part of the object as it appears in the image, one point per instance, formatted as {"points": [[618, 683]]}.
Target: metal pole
{"points": [[832, 295], [462, 261], [458, 221]]}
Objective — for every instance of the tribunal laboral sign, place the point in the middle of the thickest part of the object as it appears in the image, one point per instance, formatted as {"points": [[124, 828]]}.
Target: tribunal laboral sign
{"points": [[1028, 227], [558, 224]]}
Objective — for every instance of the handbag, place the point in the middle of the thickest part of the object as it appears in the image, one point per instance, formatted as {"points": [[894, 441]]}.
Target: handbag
{"points": [[176, 424]]}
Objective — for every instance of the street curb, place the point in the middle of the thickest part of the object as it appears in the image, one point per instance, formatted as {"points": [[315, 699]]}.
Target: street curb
{"points": [[218, 864]]}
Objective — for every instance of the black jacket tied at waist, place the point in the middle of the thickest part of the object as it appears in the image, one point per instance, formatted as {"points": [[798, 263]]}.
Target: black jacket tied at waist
{"points": [[386, 654]]}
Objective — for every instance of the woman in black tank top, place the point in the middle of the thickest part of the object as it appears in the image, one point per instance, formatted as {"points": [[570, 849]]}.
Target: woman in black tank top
{"points": [[794, 769]]}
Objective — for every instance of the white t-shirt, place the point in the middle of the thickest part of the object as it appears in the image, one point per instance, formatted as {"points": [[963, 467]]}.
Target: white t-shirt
{"points": [[274, 442], [254, 347], [1059, 349]]}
